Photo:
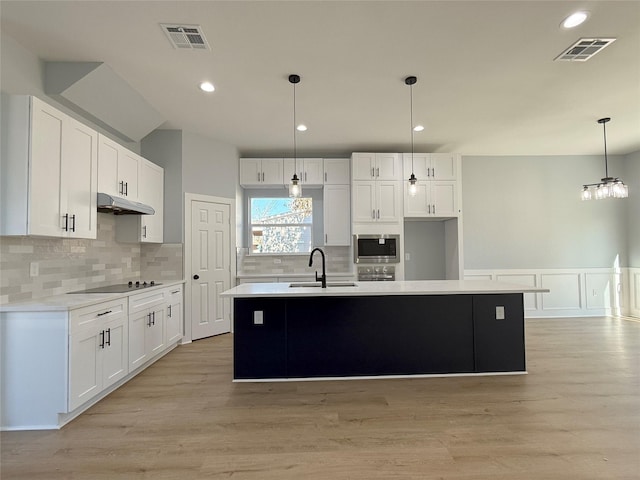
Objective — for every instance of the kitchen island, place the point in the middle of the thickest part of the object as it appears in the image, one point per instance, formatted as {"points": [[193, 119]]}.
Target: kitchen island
{"points": [[285, 331]]}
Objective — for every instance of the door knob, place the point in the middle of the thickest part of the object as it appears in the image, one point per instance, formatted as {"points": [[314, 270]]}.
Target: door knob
{"points": [[196, 277]]}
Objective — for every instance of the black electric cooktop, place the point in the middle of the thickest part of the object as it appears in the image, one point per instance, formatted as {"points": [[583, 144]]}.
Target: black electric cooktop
{"points": [[120, 288]]}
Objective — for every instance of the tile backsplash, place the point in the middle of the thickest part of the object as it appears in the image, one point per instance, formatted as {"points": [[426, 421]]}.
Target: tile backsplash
{"points": [[338, 260], [66, 265]]}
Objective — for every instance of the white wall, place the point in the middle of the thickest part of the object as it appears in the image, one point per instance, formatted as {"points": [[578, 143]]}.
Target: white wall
{"points": [[526, 212]]}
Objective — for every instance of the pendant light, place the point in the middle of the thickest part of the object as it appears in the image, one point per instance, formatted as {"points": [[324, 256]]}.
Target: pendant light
{"points": [[609, 187], [295, 189], [413, 188]]}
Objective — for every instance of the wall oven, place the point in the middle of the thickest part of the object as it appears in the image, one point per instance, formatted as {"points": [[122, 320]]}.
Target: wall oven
{"points": [[379, 248]]}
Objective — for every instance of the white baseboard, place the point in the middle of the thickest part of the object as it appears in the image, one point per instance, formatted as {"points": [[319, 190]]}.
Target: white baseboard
{"points": [[584, 292]]}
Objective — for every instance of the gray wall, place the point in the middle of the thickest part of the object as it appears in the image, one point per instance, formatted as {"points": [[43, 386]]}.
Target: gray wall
{"points": [[164, 147], [526, 212], [425, 242], [632, 179]]}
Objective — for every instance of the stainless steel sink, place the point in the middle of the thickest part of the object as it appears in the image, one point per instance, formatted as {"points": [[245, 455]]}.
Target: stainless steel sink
{"points": [[329, 284]]}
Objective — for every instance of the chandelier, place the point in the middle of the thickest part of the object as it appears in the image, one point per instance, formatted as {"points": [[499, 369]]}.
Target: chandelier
{"points": [[608, 187]]}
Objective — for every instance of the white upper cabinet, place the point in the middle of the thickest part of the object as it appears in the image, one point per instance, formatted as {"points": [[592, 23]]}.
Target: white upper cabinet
{"points": [[336, 171], [337, 221], [145, 228], [376, 166], [49, 170], [431, 166], [310, 171], [437, 185], [118, 169], [261, 172]]}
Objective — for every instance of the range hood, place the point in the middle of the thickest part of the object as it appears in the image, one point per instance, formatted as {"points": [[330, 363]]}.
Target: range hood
{"points": [[121, 206]]}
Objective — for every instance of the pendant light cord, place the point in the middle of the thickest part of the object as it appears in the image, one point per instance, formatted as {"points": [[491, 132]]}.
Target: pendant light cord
{"points": [[295, 149], [606, 163], [411, 126]]}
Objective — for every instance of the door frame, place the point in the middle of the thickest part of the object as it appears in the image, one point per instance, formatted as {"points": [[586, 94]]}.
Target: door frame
{"points": [[188, 199]]}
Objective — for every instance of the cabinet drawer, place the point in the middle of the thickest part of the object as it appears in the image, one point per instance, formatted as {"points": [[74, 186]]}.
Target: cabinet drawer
{"points": [[173, 292], [101, 312], [144, 301]]}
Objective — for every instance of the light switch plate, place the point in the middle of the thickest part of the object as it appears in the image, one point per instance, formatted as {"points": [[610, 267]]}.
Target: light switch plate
{"points": [[34, 269], [258, 317], [499, 312]]}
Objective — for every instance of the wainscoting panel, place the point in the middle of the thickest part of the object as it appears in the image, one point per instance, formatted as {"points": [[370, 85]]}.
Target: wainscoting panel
{"points": [[587, 292]]}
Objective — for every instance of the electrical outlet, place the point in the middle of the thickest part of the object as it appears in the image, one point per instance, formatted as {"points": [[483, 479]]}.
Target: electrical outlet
{"points": [[499, 312], [258, 317], [277, 261], [34, 269], [407, 257]]}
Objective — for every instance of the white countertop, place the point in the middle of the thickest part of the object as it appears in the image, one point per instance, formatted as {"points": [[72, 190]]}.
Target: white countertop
{"points": [[422, 287], [71, 301]]}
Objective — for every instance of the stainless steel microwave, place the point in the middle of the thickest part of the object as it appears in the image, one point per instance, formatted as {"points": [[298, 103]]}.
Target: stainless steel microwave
{"points": [[380, 248]]}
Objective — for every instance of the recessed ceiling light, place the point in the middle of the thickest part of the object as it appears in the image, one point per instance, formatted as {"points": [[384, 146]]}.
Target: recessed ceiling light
{"points": [[301, 128], [575, 19], [207, 87], [418, 128]]}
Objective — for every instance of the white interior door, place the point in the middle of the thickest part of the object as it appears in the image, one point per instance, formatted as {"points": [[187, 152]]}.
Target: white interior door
{"points": [[210, 268]]}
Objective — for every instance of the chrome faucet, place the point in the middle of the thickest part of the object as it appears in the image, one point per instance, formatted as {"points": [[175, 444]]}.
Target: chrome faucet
{"points": [[323, 278]]}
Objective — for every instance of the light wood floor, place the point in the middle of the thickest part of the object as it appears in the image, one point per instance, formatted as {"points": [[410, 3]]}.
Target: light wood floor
{"points": [[576, 415]]}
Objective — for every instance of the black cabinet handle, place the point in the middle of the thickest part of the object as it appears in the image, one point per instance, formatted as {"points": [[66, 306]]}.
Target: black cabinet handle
{"points": [[169, 311], [104, 313], [102, 339], [144, 231], [121, 188], [175, 291], [153, 318], [66, 222], [126, 189], [148, 319], [196, 277], [73, 225], [109, 336]]}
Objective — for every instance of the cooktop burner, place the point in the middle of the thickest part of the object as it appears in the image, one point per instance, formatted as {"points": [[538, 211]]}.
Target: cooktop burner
{"points": [[120, 288]]}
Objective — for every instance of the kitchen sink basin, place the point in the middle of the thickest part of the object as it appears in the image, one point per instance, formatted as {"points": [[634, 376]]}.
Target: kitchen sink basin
{"points": [[329, 284]]}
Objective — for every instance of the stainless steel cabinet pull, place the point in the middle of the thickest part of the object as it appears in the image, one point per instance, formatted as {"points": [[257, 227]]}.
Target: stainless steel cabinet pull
{"points": [[66, 222], [102, 339], [263, 176], [378, 172], [325, 176], [109, 336], [126, 189], [434, 208], [326, 238], [104, 313], [169, 311], [121, 189], [144, 232], [258, 176], [429, 209], [153, 318], [305, 176], [148, 319], [373, 214], [173, 293], [73, 225], [373, 171], [378, 214], [433, 172]]}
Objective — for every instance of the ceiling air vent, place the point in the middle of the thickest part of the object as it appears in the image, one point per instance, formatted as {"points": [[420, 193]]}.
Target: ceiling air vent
{"points": [[584, 49], [188, 37]]}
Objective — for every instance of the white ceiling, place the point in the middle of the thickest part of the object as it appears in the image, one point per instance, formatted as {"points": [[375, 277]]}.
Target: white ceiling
{"points": [[487, 82]]}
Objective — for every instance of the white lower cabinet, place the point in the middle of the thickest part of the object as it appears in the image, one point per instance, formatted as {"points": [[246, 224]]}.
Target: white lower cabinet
{"points": [[97, 349], [174, 317], [146, 327]]}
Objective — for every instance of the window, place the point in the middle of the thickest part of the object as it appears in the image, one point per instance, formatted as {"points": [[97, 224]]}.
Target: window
{"points": [[281, 225]]}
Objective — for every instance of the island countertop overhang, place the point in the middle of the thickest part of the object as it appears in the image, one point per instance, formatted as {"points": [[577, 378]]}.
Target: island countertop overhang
{"points": [[399, 288]]}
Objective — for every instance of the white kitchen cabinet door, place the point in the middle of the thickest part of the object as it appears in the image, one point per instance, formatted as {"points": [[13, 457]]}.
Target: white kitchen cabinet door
{"points": [[79, 180], [115, 352], [336, 171], [421, 166], [152, 193], [146, 327], [388, 166], [388, 201], [363, 166], [310, 171], [364, 201], [46, 214], [108, 155], [272, 169], [250, 171], [128, 174], [154, 341], [174, 316], [417, 206], [444, 198], [85, 366], [337, 220], [444, 166], [138, 324]]}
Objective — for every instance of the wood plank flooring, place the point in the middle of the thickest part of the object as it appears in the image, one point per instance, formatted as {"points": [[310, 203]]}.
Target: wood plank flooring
{"points": [[576, 415]]}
